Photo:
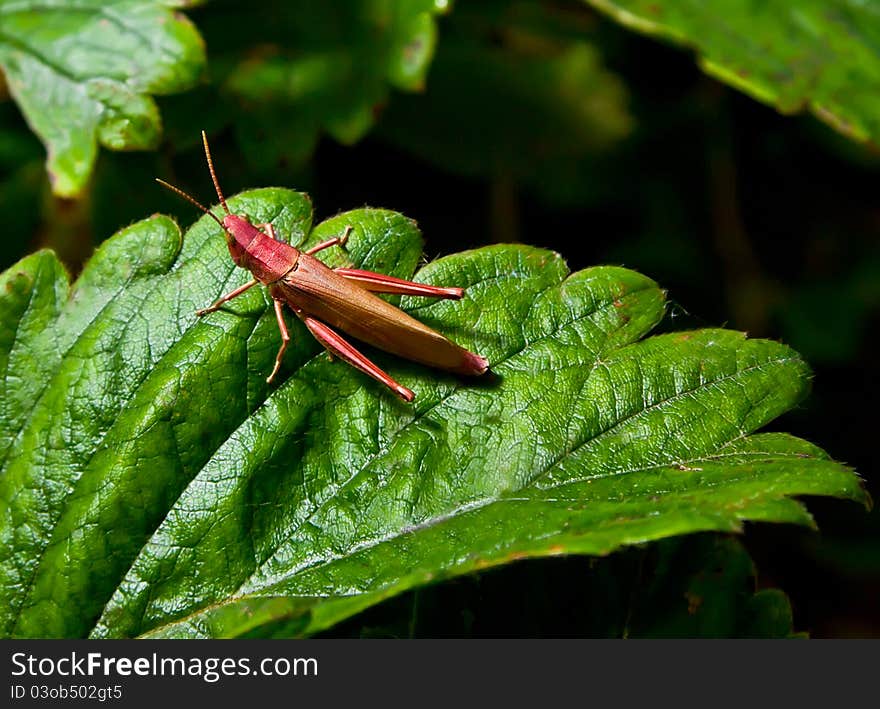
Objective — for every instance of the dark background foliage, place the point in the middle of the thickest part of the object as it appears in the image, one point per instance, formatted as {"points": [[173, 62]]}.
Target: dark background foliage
{"points": [[750, 219]]}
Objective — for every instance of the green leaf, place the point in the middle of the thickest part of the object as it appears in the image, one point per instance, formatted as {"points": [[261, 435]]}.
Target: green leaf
{"points": [[320, 67], [812, 55], [704, 586], [153, 484], [537, 97], [830, 314], [84, 74]]}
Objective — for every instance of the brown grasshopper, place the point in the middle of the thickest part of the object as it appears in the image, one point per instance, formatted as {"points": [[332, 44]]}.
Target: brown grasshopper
{"points": [[342, 298]]}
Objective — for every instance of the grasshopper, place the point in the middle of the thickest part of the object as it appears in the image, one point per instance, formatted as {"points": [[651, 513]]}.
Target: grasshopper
{"points": [[340, 298]]}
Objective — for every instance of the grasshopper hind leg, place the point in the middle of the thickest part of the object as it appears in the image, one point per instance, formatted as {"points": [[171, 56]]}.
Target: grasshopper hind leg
{"points": [[381, 283], [337, 346]]}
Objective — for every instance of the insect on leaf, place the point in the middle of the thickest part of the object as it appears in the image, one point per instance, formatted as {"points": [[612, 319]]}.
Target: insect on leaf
{"points": [[153, 484]]}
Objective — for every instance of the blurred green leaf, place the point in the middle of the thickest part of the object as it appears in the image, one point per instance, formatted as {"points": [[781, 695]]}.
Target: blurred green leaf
{"points": [[705, 587], [514, 91], [83, 74], [152, 483], [812, 55], [830, 317], [307, 68]]}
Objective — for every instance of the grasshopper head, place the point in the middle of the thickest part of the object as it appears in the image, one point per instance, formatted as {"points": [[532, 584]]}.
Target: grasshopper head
{"points": [[240, 234]]}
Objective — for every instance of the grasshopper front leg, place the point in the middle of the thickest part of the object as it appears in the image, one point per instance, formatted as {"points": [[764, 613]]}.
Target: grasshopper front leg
{"points": [[226, 298]]}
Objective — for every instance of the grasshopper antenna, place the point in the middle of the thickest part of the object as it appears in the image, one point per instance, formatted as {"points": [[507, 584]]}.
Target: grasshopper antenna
{"points": [[214, 174], [191, 200]]}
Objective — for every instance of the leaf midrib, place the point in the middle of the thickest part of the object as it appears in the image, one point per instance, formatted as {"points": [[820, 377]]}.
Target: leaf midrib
{"points": [[488, 500], [434, 521]]}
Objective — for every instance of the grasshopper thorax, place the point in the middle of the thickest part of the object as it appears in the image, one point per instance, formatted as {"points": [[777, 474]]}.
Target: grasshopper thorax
{"points": [[253, 249], [240, 235]]}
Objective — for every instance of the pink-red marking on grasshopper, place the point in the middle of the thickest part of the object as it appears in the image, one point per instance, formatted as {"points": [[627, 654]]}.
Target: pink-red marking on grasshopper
{"points": [[325, 298]]}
